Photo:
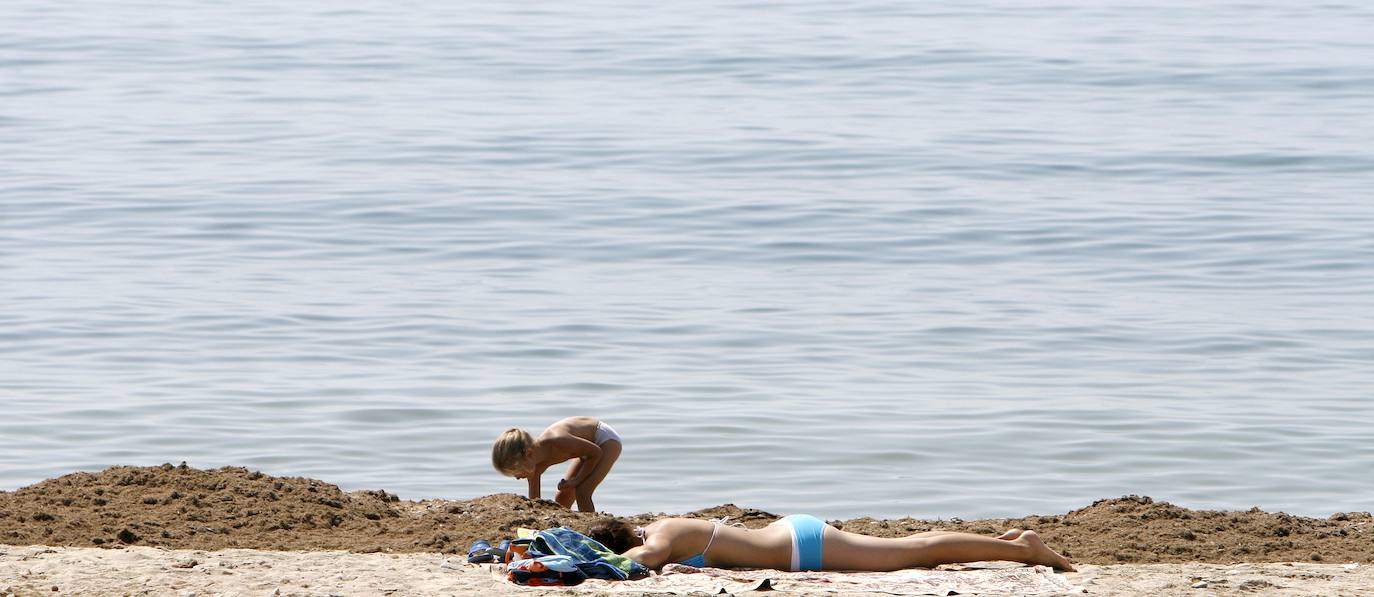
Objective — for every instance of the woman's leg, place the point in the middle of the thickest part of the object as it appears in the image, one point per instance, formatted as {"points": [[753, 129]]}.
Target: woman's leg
{"points": [[1007, 536], [850, 551], [610, 452]]}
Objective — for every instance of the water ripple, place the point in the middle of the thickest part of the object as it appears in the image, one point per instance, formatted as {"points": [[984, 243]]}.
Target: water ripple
{"points": [[805, 257]]}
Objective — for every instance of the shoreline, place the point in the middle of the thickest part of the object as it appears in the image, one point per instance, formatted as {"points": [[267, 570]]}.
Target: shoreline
{"points": [[157, 519]]}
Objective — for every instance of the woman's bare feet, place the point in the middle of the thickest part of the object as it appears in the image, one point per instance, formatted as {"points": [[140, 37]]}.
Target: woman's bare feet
{"points": [[1041, 553]]}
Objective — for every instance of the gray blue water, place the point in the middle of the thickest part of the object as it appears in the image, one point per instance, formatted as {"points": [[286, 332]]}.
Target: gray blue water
{"points": [[867, 258]]}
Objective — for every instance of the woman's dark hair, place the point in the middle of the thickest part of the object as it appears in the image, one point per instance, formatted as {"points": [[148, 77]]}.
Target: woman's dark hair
{"points": [[617, 535]]}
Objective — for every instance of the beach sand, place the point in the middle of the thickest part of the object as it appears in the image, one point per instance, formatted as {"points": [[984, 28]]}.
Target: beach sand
{"points": [[29, 571], [179, 530]]}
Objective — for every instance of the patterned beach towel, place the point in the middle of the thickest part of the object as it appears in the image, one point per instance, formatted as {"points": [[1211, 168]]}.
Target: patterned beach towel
{"points": [[592, 558]]}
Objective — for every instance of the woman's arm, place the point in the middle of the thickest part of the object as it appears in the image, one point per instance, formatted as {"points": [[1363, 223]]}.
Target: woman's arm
{"points": [[651, 555]]}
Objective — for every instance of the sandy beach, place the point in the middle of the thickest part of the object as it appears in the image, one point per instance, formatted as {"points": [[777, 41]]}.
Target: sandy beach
{"points": [[231, 531], [40, 570]]}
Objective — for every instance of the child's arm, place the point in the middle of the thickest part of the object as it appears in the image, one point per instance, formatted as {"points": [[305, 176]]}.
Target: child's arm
{"points": [[587, 451], [533, 482]]}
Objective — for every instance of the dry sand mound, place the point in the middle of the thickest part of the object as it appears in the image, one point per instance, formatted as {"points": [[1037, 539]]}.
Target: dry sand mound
{"points": [[180, 507]]}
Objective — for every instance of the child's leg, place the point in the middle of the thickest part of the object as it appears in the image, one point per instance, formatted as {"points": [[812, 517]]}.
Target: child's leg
{"points": [[610, 452], [566, 497]]}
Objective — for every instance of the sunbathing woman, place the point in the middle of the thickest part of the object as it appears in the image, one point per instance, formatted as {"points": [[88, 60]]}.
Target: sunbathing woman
{"points": [[807, 543]]}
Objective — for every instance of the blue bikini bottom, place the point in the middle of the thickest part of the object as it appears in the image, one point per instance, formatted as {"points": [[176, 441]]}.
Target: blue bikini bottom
{"points": [[807, 541]]}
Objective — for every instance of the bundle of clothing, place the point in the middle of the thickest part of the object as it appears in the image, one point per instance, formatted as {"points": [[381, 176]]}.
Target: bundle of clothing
{"points": [[563, 557]]}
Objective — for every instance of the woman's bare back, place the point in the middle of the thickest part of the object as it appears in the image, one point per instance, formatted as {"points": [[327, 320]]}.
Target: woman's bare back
{"points": [[768, 547]]}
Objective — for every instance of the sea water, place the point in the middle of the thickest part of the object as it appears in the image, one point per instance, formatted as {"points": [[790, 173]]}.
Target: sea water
{"points": [[866, 258]]}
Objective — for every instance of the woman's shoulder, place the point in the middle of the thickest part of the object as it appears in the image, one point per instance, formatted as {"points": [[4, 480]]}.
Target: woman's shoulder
{"points": [[677, 526]]}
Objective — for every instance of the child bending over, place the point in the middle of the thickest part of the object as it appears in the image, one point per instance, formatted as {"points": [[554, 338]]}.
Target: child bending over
{"points": [[594, 444]]}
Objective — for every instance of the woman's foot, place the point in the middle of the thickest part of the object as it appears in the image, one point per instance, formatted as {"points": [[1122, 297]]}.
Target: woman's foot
{"points": [[1041, 553]]}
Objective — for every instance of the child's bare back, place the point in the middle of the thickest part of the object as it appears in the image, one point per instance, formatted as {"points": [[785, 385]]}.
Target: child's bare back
{"points": [[583, 428]]}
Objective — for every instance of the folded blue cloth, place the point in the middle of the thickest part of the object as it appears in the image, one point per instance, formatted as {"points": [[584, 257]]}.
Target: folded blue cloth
{"points": [[545, 571]]}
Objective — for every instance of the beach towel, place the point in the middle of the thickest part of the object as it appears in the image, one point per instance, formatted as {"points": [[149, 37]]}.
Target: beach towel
{"points": [[592, 558]]}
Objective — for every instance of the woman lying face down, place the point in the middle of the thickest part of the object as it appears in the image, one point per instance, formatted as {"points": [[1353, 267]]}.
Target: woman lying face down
{"points": [[804, 542]]}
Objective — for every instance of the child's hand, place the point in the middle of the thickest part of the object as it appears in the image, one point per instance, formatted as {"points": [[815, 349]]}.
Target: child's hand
{"points": [[563, 484]]}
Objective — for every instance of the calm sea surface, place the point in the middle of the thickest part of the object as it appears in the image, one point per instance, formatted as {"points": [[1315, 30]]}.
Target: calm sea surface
{"points": [[866, 258]]}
